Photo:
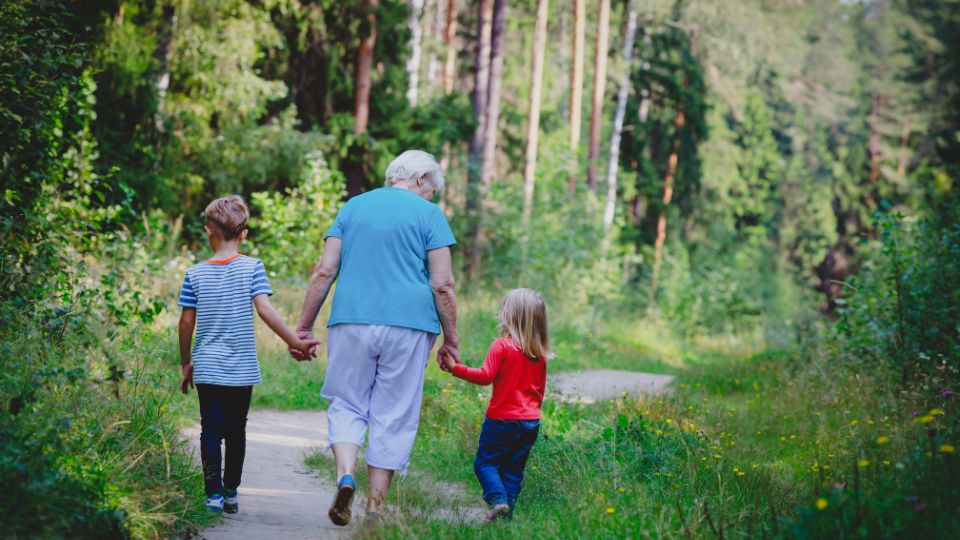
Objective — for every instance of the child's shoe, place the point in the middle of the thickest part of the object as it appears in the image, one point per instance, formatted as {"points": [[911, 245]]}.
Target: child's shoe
{"points": [[340, 508], [214, 503], [498, 512], [231, 501]]}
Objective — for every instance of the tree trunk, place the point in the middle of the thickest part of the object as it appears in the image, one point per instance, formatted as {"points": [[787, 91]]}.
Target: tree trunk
{"points": [[308, 66], [622, 94], [576, 88], [362, 82], [646, 44], [533, 116], [480, 97], [433, 27], [449, 32], [356, 178], [492, 123], [665, 204], [874, 138], [168, 27], [904, 141], [599, 86], [449, 65], [413, 62]]}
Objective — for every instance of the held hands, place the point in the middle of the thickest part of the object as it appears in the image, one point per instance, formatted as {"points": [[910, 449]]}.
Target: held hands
{"points": [[187, 381], [306, 349], [448, 356]]}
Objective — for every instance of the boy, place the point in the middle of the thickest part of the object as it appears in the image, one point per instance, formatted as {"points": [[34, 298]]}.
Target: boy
{"points": [[218, 296]]}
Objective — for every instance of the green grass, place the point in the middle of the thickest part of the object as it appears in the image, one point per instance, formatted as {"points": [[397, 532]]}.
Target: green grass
{"points": [[746, 442]]}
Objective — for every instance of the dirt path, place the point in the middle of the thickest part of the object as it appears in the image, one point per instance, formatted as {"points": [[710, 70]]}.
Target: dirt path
{"points": [[280, 497], [592, 385]]}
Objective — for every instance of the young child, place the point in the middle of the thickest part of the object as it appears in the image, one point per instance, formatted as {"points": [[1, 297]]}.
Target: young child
{"points": [[218, 296], [516, 364]]}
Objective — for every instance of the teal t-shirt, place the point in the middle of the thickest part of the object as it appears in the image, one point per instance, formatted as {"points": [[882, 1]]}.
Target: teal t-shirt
{"points": [[383, 275]]}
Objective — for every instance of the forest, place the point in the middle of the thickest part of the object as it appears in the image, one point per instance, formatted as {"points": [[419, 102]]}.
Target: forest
{"points": [[759, 198]]}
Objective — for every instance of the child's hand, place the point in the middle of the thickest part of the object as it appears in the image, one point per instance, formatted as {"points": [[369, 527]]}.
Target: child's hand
{"points": [[448, 362], [187, 381], [307, 349]]}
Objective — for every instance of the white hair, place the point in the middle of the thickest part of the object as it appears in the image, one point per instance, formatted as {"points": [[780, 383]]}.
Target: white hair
{"points": [[413, 165]]}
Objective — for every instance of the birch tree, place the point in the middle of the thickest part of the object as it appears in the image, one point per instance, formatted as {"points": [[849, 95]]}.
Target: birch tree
{"points": [[599, 87], [533, 116], [622, 95], [413, 61]]}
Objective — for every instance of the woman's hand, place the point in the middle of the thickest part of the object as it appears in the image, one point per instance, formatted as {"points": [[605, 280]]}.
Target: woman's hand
{"points": [[309, 351], [448, 356]]}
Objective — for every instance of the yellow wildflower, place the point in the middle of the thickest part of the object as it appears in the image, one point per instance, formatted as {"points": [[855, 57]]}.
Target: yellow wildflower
{"points": [[947, 448], [883, 439], [822, 504], [863, 463], [936, 412], [854, 422], [611, 509]]}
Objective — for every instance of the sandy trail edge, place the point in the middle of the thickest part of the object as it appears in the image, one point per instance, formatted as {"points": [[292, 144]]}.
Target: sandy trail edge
{"points": [[280, 497]]}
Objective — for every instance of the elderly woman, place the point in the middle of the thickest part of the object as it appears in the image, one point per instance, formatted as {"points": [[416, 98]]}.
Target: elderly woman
{"points": [[390, 248]]}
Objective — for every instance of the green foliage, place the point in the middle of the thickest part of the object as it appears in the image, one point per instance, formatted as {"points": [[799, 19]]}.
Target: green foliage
{"points": [[91, 448], [903, 308], [291, 225], [45, 96]]}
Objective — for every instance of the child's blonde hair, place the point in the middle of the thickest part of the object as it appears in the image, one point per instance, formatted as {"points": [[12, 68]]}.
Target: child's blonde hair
{"points": [[227, 216], [523, 316]]}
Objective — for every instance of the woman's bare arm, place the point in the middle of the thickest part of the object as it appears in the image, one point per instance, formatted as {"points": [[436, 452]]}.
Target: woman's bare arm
{"points": [[440, 267], [321, 280]]}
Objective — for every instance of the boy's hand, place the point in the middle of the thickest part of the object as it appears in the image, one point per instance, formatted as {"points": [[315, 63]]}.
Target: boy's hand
{"points": [[187, 380], [298, 355], [306, 348]]}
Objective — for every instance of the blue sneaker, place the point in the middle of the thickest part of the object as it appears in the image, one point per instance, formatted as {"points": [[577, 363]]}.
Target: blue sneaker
{"points": [[214, 503], [340, 507], [231, 501]]}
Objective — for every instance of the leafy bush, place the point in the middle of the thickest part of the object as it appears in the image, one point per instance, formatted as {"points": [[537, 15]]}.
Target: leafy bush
{"points": [[290, 227], [903, 309]]}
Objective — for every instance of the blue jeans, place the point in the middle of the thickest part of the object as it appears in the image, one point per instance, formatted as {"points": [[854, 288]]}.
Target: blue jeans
{"points": [[223, 417], [501, 457]]}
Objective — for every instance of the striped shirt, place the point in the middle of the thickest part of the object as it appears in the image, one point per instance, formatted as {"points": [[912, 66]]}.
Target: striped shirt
{"points": [[222, 292]]}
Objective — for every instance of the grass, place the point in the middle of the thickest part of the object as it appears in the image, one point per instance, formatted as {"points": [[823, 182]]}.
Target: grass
{"points": [[755, 445], [750, 442]]}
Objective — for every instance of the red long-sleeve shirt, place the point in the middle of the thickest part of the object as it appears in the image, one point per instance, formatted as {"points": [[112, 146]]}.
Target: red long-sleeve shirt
{"points": [[518, 382]]}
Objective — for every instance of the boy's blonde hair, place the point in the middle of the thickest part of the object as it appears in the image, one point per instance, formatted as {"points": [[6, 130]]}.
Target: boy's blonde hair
{"points": [[228, 216], [523, 316]]}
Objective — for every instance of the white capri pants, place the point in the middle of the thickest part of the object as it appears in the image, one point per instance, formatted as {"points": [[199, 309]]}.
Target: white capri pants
{"points": [[375, 381]]}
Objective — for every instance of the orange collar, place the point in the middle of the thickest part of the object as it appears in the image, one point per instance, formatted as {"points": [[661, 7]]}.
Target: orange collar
{"points": [[222, 261]]}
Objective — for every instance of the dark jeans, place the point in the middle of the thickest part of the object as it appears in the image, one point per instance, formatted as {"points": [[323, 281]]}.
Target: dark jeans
{"points": [[223, 417], [501, 456]]}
